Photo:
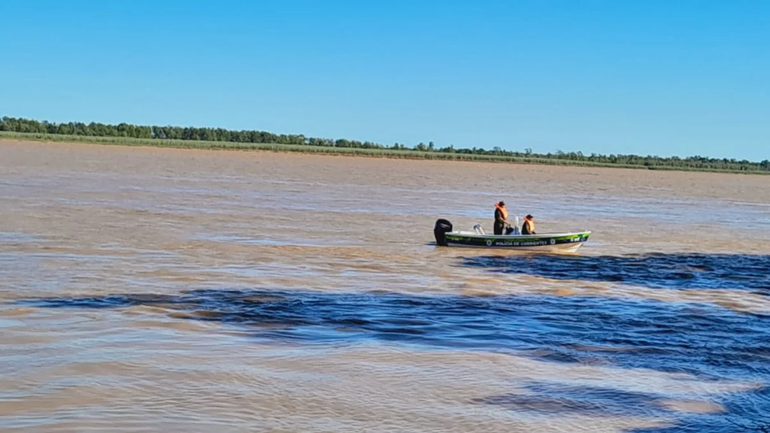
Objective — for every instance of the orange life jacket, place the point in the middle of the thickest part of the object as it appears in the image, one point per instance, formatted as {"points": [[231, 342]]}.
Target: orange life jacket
{"points": [[530, 225], [503, 211]]}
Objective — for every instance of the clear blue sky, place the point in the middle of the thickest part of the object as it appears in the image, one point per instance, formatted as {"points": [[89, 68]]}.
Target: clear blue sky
{"points": [[658, 77]]}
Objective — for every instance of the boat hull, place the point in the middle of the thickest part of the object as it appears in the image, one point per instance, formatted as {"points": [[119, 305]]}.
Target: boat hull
{"points": [[558, 242]]}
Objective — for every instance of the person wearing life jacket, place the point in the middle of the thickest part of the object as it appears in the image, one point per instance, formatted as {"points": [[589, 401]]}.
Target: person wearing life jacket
{"points": [[501, 218], [528, 228]]}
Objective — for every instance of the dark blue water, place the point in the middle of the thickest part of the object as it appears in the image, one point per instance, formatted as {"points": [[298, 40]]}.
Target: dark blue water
{"points": [[710, 342], [745, 272]]}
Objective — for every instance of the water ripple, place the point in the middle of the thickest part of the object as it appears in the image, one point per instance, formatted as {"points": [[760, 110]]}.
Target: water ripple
{"points": [[707, 341], [697, 338], [657, 270]]}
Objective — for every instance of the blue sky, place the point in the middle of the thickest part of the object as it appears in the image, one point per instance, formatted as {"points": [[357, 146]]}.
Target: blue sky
{"points": [[657, 77]]}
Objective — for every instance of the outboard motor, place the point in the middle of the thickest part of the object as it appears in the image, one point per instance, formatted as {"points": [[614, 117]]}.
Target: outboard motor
{"points": [[442, 226]]}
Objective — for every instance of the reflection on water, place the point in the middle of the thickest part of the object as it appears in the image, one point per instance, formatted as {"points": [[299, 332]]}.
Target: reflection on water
{"points": [[708, 342], [596, 401], [655, 270], [666, 336]]}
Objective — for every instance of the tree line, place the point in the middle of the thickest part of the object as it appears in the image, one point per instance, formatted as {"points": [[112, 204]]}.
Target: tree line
{"points": [[94, 129]]}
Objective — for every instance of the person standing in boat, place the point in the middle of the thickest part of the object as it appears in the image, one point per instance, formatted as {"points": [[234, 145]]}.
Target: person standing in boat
{"points": [[528, 228], [501, 218]]}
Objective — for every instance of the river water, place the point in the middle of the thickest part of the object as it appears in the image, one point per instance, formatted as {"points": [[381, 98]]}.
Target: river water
{"points": [[179, 290]]}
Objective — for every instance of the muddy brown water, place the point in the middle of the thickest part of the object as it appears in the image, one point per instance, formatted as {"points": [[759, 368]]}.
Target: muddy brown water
{"points": [[151, 289]]}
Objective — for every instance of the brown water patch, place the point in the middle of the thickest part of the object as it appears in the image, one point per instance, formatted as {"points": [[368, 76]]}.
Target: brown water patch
{"points": [[695, 406], [92, 221]]}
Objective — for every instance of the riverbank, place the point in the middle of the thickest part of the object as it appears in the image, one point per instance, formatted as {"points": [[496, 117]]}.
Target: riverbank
{"points": [[328, 150]]}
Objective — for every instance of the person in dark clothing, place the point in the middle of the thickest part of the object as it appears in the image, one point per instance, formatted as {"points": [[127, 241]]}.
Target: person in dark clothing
{"points": [[528, 228], [501, 218]]}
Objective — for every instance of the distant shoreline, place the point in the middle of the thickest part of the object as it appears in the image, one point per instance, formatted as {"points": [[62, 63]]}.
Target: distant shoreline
{"points": [[341, 151]]}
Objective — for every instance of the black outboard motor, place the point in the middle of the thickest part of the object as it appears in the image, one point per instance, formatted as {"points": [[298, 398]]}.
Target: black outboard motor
{"points": [[442, 226]]}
